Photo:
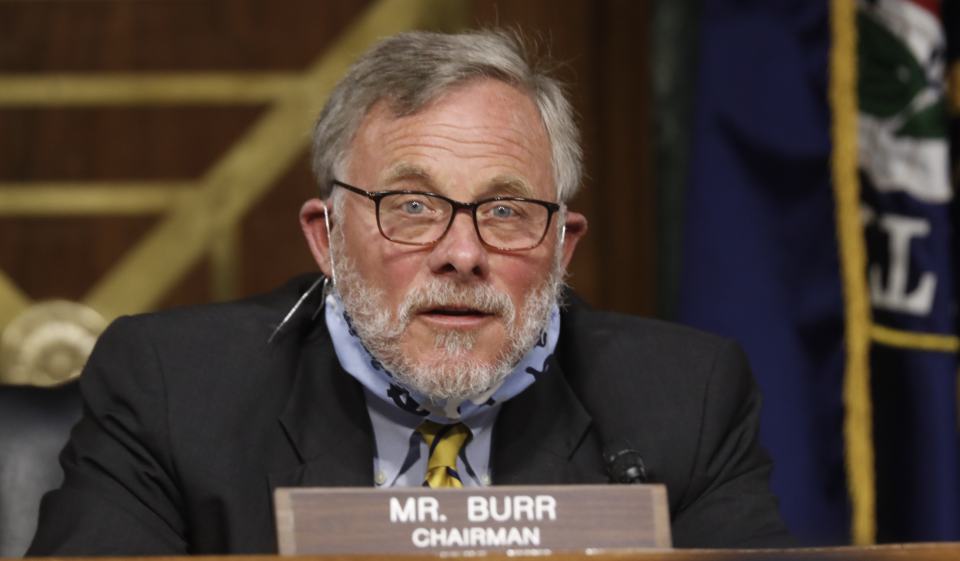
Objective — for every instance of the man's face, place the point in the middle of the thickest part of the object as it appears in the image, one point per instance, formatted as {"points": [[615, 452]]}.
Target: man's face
{"points": [[484, 139]]}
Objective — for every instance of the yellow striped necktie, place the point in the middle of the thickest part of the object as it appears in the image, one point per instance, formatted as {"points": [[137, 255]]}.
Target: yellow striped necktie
{"points": [[444, 442]]}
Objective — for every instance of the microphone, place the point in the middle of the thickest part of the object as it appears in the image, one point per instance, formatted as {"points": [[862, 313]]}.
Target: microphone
{"points": [[624, 463]]}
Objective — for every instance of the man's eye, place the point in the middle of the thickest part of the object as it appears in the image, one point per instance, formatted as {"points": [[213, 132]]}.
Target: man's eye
{"points": [[413, 207], [502, 212]]}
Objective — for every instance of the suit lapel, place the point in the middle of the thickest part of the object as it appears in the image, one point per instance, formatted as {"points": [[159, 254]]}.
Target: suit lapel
{"points": [[542, 436], [327, 422]]}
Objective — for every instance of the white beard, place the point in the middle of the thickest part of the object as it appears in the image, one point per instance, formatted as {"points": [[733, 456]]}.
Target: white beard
{"points": [[452, 373]]}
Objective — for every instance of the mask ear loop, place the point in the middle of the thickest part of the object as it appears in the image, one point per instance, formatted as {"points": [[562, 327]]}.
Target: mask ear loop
{"points": [[294, 309], [323, 299], [563, 230], [324, 279], [326, 221]]}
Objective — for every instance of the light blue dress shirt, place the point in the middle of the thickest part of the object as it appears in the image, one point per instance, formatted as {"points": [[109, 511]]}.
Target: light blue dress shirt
{"points": [[401, 455]]}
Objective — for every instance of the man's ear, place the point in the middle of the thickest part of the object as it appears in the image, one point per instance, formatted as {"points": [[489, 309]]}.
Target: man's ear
{"points": [[574, 229], [312, 216]]}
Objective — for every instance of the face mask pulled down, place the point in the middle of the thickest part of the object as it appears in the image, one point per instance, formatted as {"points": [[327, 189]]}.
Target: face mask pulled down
{"points": [[451, 383]]}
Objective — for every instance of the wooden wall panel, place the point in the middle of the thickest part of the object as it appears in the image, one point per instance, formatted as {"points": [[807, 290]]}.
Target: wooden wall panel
{"points": [[168, 35], [603, 45], [62, 257], [117, 143], [272, 233]]}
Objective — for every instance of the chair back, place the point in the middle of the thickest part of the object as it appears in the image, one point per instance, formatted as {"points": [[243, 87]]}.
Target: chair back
{"points": [[35, 424]]}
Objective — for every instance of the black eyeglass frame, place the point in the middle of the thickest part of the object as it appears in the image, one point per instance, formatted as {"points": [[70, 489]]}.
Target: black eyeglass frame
{"points": [[377, 196]]}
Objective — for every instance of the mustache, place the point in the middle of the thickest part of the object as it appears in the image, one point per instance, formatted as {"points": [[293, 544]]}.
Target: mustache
{"points": [[439, 293]]}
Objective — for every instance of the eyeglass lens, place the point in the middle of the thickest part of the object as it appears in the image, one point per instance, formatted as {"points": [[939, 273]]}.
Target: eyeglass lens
{"points": [[420, 218]]}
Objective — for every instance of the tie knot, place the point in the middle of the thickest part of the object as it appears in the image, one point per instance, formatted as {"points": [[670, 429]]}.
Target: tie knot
{"points": [[444, 442], [444, 439]]}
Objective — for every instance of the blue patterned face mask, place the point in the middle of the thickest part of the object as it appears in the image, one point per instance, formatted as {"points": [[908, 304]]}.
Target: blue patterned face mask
{"points": [[368, 371]]}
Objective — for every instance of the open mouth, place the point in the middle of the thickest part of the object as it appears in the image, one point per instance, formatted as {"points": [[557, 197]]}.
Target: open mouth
{"points": [[454, 311]]}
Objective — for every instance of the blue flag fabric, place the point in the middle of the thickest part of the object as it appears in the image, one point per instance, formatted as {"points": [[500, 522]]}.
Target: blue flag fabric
{"points": [[760, 250], [761, 257]]}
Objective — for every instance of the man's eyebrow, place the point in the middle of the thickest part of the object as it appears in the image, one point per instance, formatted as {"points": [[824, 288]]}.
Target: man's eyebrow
{"points": [[405, 171], [508, 186]]}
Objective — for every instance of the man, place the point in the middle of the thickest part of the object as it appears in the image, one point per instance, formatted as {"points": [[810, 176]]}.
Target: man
{"points": [[444, 163]]}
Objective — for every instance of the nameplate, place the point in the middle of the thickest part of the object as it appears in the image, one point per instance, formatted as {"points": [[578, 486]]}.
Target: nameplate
{"points": [[517, 519]]}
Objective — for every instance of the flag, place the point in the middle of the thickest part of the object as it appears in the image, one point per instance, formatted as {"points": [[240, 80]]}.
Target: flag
{"points": [[818, 233]]}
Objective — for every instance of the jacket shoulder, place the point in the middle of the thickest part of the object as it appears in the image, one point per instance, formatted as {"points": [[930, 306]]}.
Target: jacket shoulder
{"points": [[598, 342], [222, 349], [637, 375]]}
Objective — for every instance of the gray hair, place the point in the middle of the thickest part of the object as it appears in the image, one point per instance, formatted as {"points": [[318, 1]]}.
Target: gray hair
{"points": [[411, 70]]}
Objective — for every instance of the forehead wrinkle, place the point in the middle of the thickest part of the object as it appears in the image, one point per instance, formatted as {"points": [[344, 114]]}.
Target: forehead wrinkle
{"points": [[504, 134], [492, 150]]}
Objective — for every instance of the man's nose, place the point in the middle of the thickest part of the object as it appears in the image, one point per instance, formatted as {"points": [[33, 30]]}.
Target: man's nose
{"points": [[460, 252]]}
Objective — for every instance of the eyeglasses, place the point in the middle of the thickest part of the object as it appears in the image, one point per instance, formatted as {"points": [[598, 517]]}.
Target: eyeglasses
{"points": [[418, 218]]}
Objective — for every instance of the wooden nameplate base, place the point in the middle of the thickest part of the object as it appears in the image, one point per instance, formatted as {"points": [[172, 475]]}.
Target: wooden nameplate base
{"points": [[531, 519]]}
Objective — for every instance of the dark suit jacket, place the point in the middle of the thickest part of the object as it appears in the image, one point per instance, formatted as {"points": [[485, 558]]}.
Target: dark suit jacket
{"points": [[192, 418]]}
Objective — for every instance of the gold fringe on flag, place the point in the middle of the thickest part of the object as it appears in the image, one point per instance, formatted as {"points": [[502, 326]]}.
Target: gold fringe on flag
{"points": [[858, 426]]}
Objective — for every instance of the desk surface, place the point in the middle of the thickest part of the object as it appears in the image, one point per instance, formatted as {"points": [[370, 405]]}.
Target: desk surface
{"points": [[912, 552]]}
